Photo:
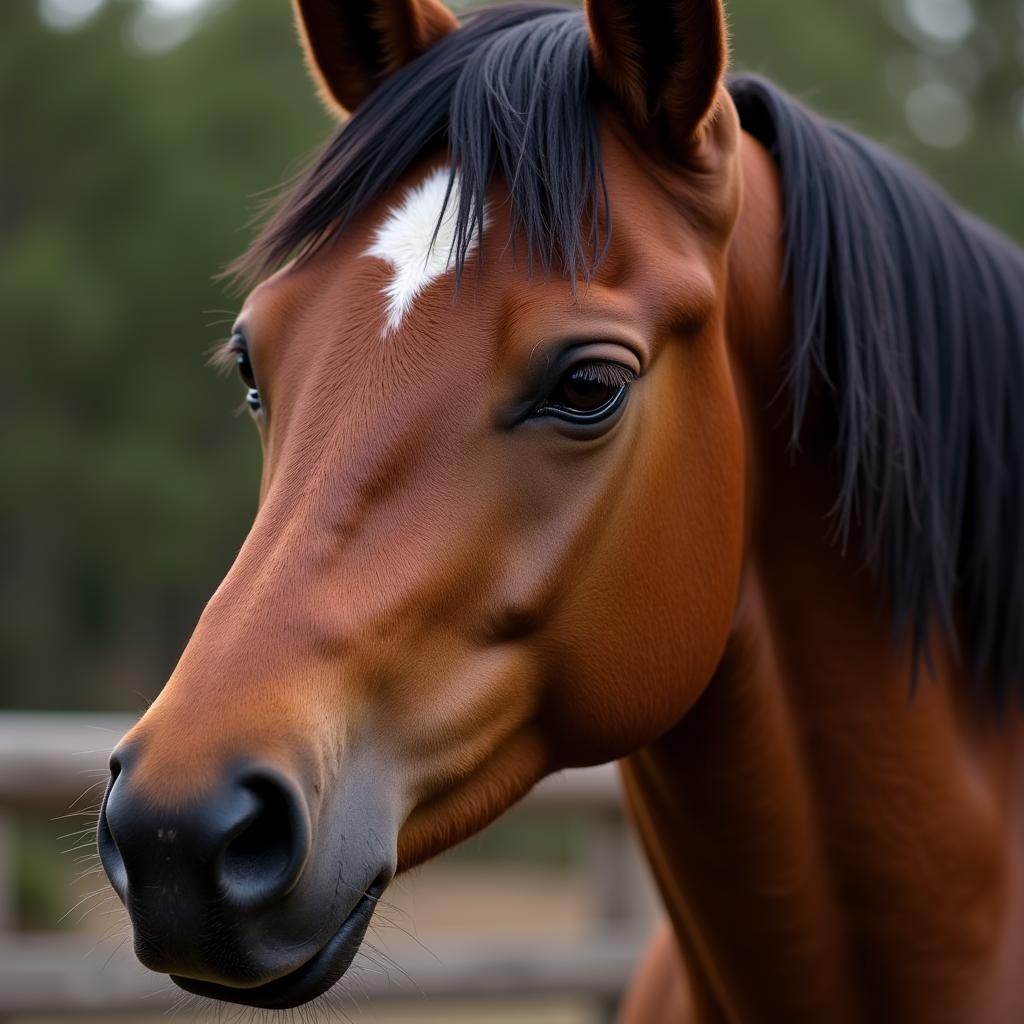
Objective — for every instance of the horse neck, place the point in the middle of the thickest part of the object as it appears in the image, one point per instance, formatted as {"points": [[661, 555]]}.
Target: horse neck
{"points": [[831, 842]]}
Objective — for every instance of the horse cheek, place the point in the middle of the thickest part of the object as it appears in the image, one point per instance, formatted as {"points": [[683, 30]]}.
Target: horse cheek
{"points": [[645, 628]]}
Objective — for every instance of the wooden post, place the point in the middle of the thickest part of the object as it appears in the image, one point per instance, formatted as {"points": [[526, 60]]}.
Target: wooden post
{"points": [[611, 866], [8, 883], [624, 899]]}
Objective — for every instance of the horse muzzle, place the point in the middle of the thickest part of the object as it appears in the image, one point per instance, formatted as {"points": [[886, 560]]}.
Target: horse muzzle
{"points": [[241, 893]]}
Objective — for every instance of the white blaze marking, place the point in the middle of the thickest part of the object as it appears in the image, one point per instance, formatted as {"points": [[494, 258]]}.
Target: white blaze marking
{"points": [[404, 241]]}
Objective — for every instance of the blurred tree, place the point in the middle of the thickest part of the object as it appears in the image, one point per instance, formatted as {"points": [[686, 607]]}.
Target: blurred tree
{"points": [[127, 180], [940, 81], [133, 145]]}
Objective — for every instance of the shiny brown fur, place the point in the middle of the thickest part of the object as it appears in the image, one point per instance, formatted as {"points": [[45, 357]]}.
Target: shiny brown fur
{"points": [[471, 608]]}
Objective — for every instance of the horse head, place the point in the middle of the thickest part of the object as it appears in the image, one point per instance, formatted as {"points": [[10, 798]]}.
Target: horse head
{"points": [[501, 518]]}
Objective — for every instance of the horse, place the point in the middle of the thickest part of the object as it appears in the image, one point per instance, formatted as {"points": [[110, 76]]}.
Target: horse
{"points": [[612, 409]]}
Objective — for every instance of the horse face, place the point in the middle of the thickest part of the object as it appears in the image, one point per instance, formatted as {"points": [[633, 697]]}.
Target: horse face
{"points": [[499, 533]]}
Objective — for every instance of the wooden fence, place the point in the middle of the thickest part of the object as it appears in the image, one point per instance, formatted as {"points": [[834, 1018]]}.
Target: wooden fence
{"points": [[47, 760]]}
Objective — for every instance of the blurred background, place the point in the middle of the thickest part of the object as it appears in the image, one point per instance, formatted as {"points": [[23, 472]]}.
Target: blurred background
{"points": [[137, 138]]}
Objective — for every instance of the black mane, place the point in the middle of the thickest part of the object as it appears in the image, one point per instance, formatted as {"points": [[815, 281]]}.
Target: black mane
{"points": [[509, 94], [908, 314], [911, 313]]}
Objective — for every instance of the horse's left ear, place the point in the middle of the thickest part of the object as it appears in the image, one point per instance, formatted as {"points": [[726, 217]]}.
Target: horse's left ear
{"points": [[664, 60], [353, 45]]}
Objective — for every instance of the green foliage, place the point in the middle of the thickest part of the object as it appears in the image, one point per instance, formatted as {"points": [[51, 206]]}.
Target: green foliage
{"points": [[861, 62], [43, 891], [128, 480], [126, 182]]}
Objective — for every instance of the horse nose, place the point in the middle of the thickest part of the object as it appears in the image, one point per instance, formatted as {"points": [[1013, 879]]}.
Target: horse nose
{"points": [[243, 845]]}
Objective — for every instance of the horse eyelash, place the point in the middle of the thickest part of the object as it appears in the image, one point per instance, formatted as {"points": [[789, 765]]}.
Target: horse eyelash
{"points": [[222, 357], [612, 375]]}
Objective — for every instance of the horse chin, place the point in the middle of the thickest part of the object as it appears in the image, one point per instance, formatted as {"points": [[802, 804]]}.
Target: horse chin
{"points": [[307, 981]]}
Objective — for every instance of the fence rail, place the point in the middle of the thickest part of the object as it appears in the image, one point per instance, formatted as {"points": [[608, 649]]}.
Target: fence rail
{"points": [[48, 762]]}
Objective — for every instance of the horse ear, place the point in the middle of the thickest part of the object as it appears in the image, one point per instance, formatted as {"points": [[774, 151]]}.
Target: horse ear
{"points": [[664, 60], [352, 46]]}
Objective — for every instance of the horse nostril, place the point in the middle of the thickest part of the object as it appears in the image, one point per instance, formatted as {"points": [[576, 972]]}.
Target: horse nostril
{"points": [[243, 843], [110, 855], [266, 853]]}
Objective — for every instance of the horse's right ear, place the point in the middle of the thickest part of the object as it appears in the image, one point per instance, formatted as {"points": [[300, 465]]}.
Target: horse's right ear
{"points": [[354, 45], [662, 60]]}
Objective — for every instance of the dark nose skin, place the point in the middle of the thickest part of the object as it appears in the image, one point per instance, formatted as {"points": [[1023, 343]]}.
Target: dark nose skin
{"points": [[225, 889], [231, 854]]}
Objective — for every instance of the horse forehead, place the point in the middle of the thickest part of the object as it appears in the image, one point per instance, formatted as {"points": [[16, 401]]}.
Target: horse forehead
{"points": [[416, 239]]}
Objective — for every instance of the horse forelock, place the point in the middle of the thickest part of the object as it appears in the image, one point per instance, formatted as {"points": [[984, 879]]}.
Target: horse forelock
{"points": [[506, 96]]}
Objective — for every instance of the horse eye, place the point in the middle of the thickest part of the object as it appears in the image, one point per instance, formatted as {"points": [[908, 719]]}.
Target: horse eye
{"points": [[245, 371], [588, 392]]}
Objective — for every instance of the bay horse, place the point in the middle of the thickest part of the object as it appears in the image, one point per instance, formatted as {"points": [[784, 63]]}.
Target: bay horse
{"points": [[611, 410]]}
